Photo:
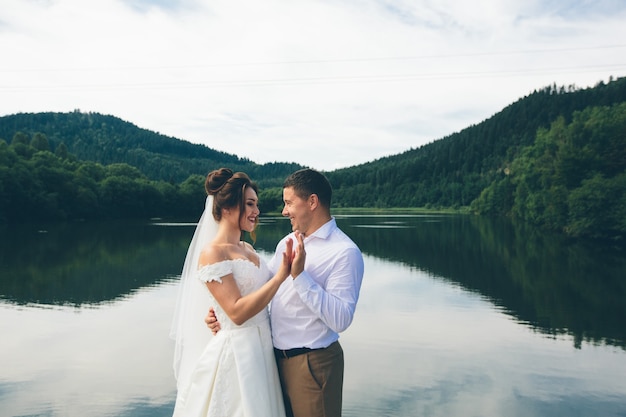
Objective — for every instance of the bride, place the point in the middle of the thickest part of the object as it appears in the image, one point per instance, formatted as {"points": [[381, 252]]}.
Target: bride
{"points": [[234, 372]]}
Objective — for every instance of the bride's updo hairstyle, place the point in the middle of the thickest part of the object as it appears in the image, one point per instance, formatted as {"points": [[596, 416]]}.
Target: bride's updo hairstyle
{"points": [[227, 189]]}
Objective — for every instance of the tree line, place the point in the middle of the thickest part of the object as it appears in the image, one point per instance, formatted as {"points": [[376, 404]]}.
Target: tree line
{"points": [[572, 178], [553, 158], [37, 184], [453, 171], [107, 140]]}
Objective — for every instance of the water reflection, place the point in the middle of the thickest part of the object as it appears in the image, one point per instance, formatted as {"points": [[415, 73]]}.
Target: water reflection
{"points": [[421, 347], [458, 316], [553, 284], [105, 361], [88, 263]]}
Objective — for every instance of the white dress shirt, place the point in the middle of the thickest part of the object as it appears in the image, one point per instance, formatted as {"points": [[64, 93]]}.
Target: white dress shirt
{"points": [[312, 309]]}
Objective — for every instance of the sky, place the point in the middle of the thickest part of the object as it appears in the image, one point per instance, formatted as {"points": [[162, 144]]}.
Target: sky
{"points": [[326, 84]]}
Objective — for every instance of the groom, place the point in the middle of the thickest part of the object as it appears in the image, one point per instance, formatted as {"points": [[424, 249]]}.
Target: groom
{"points": [[309, 311]]}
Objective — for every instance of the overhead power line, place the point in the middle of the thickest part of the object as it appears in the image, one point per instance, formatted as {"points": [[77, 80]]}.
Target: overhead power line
{"points": [[319, 61], [615, 69]]}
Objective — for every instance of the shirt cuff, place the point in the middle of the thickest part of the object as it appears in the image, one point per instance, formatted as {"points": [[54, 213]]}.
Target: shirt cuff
{"points": [[303, 282]]}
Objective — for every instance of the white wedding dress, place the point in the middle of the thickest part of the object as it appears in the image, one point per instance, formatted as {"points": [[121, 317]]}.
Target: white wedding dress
{"points": [[235, 375]]}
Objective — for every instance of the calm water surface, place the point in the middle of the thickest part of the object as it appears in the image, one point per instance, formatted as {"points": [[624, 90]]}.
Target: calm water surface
{"points": [[458, 316]]}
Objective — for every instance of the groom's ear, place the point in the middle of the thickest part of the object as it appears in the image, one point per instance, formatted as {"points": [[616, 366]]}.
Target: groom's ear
{"points": [[313, 201]]}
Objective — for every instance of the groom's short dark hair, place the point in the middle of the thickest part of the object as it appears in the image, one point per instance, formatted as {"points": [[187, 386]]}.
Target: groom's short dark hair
{"points": [[308, 181]]}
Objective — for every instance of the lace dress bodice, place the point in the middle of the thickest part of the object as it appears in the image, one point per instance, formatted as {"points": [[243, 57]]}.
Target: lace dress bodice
{"points": [[248, 277]]}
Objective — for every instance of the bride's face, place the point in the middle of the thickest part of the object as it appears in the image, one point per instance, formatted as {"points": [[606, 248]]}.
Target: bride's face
{"points": [[250, 218]]}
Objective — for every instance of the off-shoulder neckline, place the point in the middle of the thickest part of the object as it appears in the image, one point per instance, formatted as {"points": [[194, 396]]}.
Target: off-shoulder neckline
{"points": [[234, 260]]}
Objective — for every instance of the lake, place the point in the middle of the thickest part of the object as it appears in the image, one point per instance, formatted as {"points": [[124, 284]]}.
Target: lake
{"points": [[458, 316]]}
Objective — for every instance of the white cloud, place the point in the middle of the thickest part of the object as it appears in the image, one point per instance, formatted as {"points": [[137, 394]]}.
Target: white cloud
{"points": [[325, 84]]}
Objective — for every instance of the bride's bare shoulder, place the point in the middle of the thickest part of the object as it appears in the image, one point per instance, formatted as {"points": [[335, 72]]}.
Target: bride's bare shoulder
{"points": [[212, 253]]}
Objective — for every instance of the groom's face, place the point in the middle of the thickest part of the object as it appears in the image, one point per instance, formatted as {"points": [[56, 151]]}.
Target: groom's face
{"points": [[297, 209]]}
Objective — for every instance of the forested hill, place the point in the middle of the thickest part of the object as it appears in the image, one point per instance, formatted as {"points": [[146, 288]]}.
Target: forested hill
{"points": [[449, 172], [452, 171], [107, 139], [555, 158]]}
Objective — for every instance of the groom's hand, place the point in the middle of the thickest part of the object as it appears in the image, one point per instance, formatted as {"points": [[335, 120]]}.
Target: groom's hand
{"points": [[297, 265], [211, 321]]}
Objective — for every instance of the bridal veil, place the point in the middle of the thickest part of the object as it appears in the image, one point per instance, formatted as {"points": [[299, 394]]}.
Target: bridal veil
{"points": [[188, 327]]}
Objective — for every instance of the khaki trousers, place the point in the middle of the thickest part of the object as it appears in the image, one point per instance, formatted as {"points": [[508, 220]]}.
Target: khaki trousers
{"points": [[312, 383]]}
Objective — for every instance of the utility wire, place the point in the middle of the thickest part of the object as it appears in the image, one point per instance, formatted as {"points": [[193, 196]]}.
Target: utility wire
{"points": [[347, 79], [320, 61]]}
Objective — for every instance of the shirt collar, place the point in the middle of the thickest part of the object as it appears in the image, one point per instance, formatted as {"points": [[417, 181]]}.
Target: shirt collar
{"points": [[325, 230]]}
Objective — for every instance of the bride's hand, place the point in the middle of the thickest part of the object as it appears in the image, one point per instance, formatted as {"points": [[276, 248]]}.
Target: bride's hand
{"points": [[285, 266]]}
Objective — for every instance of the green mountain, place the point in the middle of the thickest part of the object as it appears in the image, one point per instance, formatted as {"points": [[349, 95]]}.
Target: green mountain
{"points": [[453, 171], [555, 158], [107, 139]]}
